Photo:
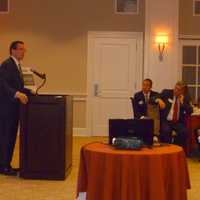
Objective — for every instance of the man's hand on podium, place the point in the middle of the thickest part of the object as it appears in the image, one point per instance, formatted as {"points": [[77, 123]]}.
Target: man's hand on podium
{"points": [[33, 92], [22, 97]]}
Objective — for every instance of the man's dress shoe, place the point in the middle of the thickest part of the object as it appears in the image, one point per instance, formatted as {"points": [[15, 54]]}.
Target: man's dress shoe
{"points": [[9, 171]]}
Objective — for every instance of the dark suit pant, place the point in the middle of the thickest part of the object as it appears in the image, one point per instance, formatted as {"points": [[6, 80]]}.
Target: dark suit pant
{"points": [[8, 133], [166, 133], [197, 134]]}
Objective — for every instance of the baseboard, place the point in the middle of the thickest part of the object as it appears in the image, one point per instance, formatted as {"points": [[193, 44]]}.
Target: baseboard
{"points": [[80, 132], [76, 132]]}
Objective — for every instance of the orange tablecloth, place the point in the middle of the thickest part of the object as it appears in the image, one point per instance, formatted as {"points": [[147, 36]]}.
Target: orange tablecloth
{"points": [[192, 122], [160, 173]]}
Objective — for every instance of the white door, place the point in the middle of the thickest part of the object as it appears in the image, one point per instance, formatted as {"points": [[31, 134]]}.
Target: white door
{"points": [[114, 75]]}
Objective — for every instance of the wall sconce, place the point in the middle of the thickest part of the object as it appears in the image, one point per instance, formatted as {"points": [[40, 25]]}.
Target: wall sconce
{"points": [[161, 41]]}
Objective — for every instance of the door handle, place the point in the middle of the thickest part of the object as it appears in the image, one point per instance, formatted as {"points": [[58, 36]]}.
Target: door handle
{"points": [[96, 89]]}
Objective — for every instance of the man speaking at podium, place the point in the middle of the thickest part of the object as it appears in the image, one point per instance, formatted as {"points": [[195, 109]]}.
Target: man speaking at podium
{"points": [[12, 93]]}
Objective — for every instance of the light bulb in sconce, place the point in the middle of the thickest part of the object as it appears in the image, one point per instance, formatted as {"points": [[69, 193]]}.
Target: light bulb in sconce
{"points": [[161, 42]]}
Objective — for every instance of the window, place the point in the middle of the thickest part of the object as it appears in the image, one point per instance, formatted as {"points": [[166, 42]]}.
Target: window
{"points": [[190, 61], [196, 7], [4, 6], [126, 6]]}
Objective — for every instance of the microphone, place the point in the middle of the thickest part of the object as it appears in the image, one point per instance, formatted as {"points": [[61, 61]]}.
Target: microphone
{"points": [[41, 75]]}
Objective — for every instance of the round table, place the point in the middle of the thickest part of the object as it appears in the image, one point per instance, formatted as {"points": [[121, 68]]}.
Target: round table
{"points": [[159, 173]]}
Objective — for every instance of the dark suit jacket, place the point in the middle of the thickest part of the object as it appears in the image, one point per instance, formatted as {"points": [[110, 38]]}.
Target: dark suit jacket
{"points": [[10, 83], [139, 105], [185, 109]]}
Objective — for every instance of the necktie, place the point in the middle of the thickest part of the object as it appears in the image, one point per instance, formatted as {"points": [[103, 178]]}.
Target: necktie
{"points": [[20, 71], [146, 98], [175, 112]]}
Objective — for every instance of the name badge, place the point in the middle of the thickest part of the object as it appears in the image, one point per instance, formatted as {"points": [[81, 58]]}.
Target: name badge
{"points": [[141, 102]]}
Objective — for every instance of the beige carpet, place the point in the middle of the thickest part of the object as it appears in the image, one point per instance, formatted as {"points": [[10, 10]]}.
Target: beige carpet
{"points": [[14, 188]]}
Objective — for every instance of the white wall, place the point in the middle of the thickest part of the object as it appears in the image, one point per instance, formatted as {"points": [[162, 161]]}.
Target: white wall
{"points": [[161, 16]]}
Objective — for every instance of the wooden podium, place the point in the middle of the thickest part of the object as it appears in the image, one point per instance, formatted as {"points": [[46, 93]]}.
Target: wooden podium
{"points": [[46, 137]]}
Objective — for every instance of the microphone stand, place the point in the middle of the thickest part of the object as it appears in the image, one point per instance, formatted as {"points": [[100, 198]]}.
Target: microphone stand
{"points": [[41, 85]]}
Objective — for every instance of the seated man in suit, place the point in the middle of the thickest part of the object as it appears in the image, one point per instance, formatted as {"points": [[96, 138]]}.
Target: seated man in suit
{"points": [[141, 98], [177, 107]]}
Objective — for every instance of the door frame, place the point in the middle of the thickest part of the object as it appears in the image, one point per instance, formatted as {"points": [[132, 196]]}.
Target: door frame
{"points": [[92, 35]]}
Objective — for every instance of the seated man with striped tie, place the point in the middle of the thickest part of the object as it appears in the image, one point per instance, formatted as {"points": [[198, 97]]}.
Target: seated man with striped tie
{"points": [[177, 107]]}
